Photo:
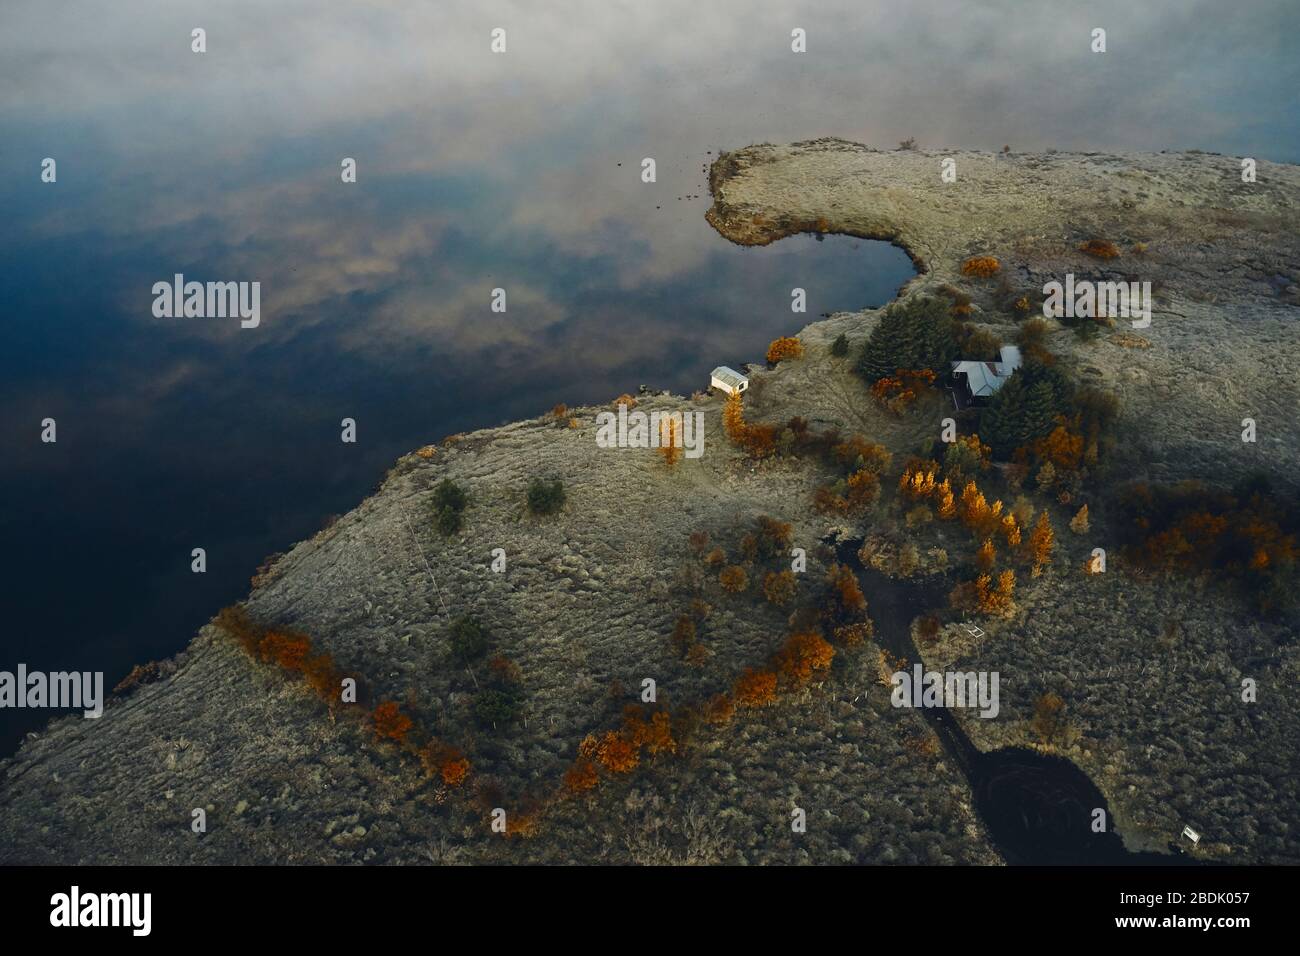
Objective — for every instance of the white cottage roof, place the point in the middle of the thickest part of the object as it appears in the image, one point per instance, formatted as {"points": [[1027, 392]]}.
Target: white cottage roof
{"points": [[729, 376]]}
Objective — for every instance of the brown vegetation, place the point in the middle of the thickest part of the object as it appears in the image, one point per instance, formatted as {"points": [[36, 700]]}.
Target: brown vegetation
{"points": [[981, 267], [784, 348]]}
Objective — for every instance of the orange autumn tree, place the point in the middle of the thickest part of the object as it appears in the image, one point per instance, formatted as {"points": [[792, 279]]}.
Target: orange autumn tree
{"points": [[733, 418], [779, 587], [917, 482], [733, 579], [980, 596], [846, 596], [581, 776], [986, 555], [446, 761], [1061, 447], [670, 446], [617, 753], [1079, 523], [896, 392], [755, 688], [784, 348], [1040, 543], [1002, 600], [974, 508], [801, 656], [1011, 530], [758, 440], [947, 508], [390, 723]]}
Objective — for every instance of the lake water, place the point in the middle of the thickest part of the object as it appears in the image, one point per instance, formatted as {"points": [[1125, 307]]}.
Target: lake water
{"points": [[475, 171]]}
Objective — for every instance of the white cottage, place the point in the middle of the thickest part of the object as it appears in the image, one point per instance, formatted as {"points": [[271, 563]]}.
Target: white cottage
{"points": [[975, 382], [728, 380]]}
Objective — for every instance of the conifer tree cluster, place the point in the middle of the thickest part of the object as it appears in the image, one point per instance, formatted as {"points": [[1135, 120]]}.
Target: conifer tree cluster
{"points": [[1025, 408], [916, 334]]}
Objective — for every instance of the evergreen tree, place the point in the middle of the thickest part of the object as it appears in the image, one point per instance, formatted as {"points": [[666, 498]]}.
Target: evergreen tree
{"points": [[1025, 408], [917, 334], [1002, 423]]}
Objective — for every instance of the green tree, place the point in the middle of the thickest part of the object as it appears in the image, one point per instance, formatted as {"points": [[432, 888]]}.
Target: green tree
{"points": [[1025, 408], [915, 334], [449, 502]]}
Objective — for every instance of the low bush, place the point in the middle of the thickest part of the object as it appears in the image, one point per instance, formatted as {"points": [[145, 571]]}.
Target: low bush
{"points": [[449, 502], [468, 639], [545, 497]]}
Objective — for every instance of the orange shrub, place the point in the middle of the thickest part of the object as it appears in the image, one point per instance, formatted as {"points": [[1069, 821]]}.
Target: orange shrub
{"points": [[1060, 447], [779, 587], [801, 655], [846, 593], [1040, 543], [981, 267], [784, 348], [287, 650], [658, 734], [1100, 248], [733, 417], [617, 753], [455, 768], [719, 709], [390, 723], [733, 579], [1011, 530], [322, 676], [858, 452], [947, 509], [581, 776], [522, 825], [863, 488], [235, 621], [896, 392], [670, 443], [755, 688]]}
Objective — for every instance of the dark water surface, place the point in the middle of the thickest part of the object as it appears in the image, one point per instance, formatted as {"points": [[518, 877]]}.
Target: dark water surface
{"points": [[192, 432], [1038, 808]]}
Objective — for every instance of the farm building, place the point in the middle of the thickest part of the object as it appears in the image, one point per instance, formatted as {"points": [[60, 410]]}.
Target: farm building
{"points": [[728, 380], [973, 383]]}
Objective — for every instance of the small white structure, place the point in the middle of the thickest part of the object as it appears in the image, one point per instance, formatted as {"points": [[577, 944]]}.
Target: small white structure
{"points": [[975, 382], [728, 380], [1191, 835]]}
